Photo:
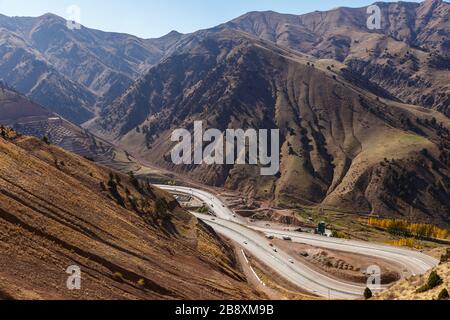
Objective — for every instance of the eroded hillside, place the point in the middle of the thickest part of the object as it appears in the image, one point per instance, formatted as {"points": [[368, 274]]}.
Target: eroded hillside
{"points": [[130, 240], [71, 71], [409, 56], [342, 146]]}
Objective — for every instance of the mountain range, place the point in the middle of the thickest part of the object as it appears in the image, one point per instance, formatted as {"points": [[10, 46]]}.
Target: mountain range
{"points": [[341, 145], [408, 57], [73, 71], [363, 114]]}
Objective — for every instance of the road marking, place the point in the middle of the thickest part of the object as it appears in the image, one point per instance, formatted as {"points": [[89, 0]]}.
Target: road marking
{"points": [[257, 277], [251, 268], [245, 256]]}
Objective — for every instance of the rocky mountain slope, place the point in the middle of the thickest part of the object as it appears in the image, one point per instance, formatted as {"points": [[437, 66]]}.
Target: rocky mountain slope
{"points": [[72, 71], [24, 69], [130, 240], [342, 146], [409, 56], [29, 118]]}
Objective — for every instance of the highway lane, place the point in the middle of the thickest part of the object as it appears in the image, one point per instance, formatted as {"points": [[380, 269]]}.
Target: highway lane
{"points": [[413, 261], [281, 262], [212, 202], [237, 228]]}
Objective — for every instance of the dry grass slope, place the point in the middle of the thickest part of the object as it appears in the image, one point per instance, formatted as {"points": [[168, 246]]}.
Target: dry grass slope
{"points": [[406, 289], [56, 212]]}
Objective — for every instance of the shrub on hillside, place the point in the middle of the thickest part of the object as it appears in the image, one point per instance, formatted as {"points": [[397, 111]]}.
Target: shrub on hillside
{"points": [[141, 283], [434, 280], [118, 276], [445, 257], [339, 235], [203, 210], [135, 182], [161, 206], [443, 295], [113, 189], [3, 132], [368, 294]]}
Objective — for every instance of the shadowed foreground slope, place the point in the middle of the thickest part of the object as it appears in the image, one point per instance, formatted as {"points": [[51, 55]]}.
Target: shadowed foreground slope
{"points": [[130, 240]]}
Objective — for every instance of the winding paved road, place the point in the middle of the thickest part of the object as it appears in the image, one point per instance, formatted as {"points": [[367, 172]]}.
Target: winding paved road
{"points": [[237, 228]]}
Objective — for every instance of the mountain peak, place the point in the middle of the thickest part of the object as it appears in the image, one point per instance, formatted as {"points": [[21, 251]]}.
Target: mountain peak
{"points": [[50, 19], [50, 16], [266, 13], [432, 3], [174, 32]]}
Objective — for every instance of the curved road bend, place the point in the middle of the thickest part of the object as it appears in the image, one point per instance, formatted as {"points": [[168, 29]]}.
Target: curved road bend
{"points": [[237, 229], [297, 273]]}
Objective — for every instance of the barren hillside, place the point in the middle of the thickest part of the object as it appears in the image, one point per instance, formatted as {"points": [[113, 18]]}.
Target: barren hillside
{"points": [[407, 289], [130, 240], [73, 71], [342, 146], [409, 56]]}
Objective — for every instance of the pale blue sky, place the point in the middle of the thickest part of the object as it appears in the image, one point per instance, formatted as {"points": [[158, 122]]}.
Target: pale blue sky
{"points": [[154, 18]]}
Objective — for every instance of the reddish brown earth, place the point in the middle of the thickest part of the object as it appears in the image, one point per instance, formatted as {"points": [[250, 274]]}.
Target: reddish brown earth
{"points": [[54, 213]]}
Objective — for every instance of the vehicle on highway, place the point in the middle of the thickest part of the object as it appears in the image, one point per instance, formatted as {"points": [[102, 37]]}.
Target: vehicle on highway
{"points": [[275, 250], [291, 261], [270, 237], [286, 238], [245, 242]]}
